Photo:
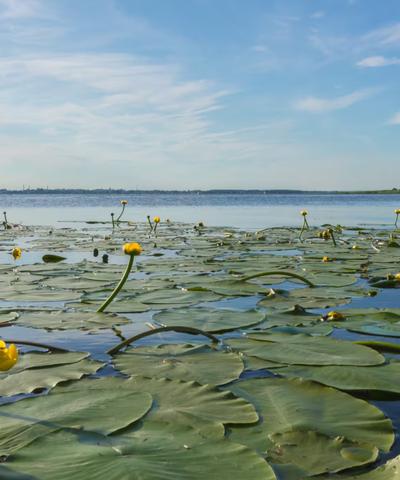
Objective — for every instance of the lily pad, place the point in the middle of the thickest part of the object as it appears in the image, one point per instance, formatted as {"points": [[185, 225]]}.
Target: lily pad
{"points": [[63, 320], [87, 456], [288, 405], [379, 377], [34, 417], [183, 362], [210, 319], [314, 453], [305, 350], [27, 381]]}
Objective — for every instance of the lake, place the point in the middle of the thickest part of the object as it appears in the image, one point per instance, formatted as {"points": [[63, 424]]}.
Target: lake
{"points": [[243, 210]]}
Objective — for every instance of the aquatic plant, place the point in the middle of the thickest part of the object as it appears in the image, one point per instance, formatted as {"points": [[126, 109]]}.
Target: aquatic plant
{"points": [[124, 203], [397, 212], [156, 221], [8, 356], [131, 249], [16, 253], [149, 222]]}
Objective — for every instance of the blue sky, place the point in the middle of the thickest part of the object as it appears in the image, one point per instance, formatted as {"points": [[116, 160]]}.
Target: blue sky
{"points": [[181, 94]]}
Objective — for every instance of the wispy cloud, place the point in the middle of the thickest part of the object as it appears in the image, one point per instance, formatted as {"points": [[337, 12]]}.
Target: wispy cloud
{"points": [[15, 9], [317, 15], [385, 36], [320, 105], [395, 120], [377, 61]]}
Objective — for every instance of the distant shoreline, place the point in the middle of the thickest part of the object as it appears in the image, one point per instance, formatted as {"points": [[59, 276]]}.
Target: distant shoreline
{"points": [[97, 191]]}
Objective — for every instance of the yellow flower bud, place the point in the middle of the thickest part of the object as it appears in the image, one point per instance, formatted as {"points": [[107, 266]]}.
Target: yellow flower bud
{"points": [[326, 259], [335, 316], [156, 219], [132, 248], [397, 211], [304, 213], [8, 356], [16, 253], [124, 202], [397, 277]]}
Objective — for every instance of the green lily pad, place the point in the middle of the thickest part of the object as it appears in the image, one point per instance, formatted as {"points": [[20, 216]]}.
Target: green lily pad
{"points": [[174, 297], [27, 381], [62, 320], [288, 405], [389, 471], [378, 377], [209, 319], [314, 453], [87, 456], [202, 363], [305, 350], [28, 419]]}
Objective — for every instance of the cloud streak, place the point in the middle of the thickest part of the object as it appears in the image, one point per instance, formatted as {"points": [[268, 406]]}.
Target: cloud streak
{"points": [[377, 61], [321, 105]]}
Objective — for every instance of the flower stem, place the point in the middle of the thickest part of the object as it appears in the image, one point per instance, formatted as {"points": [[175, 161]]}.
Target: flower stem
{"points": [[333, 237], [151, 225], [112, 221], [119, 286], [395, 223], [122, 212], [189, 330], [6, 222]]}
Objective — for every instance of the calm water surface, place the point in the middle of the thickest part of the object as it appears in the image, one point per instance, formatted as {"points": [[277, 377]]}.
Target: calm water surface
{"points": [[252, 211]]}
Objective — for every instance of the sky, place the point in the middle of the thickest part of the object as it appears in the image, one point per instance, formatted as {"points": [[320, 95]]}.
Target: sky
{"points": [[200, 94]]}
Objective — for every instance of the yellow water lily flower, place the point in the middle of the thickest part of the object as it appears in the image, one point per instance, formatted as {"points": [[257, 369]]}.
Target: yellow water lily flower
{"points": [[304, 213], [8, 356], [16, 253], [397, 277], [335, 316], [326, 259], [124, 202], [156, 219], [132, 248], [397, 211]]}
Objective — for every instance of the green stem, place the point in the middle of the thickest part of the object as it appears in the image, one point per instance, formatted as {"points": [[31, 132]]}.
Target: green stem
{"points": [[112, 221], [302, 229], [5, 220], [333, 237], [190, 330], [122, 212], [306, 223], [151, 225], [395, 223], [119, 286], [278, 273], [155, 229]]}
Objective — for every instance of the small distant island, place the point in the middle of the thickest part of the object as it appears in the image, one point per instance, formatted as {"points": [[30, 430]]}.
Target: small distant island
{"points": [[121, 191]]}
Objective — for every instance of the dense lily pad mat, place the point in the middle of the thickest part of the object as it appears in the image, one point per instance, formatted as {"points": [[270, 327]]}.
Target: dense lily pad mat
{"points": [[163, 412]]}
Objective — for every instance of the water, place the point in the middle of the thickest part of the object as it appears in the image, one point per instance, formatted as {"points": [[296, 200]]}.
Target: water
{"points": [[243, 210]]}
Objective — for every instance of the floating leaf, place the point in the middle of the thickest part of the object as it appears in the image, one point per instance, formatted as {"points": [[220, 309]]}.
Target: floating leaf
{"points": [[305, 350], [210, 319], [183, 362], [379, 377]]}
